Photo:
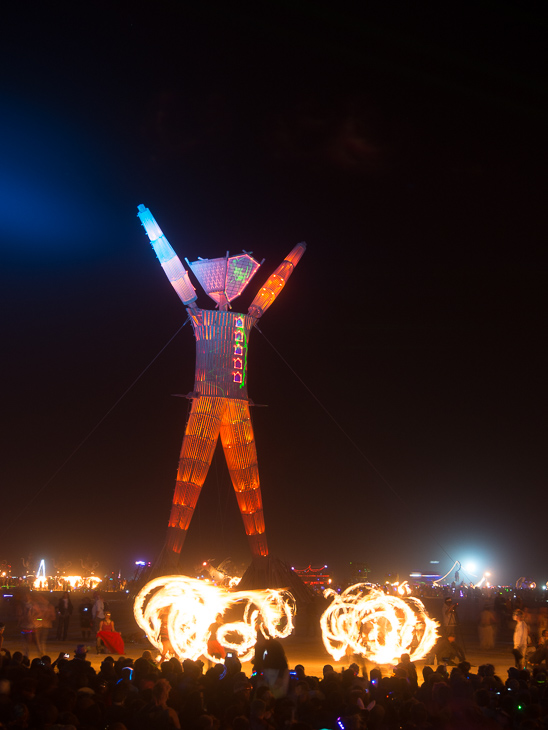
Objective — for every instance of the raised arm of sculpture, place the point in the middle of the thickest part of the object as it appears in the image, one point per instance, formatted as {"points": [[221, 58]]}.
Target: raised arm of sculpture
{"points": [[276, 282], [174, 270]]}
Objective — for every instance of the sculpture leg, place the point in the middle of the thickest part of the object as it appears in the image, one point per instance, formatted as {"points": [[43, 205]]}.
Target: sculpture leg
{"points": [[201, 434], [241, 456]]}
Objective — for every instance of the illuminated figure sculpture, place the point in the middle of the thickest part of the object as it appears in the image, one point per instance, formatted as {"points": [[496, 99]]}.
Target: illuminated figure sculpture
{"points": [[220, 404]]}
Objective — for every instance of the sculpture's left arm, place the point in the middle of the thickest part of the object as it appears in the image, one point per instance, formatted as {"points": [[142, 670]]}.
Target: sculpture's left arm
{"points": [[167, 257], [276, 282]]}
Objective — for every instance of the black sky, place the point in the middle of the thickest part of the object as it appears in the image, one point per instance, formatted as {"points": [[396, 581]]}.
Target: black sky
{"points": [[407, 146]]}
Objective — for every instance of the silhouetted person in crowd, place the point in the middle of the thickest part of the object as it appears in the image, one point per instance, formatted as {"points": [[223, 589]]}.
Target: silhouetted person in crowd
{"points": [[449, 617], [64, 612], [486, 628], [521, 639], [43, 621], [410, 670], [451, 629], [275, 670], [447, 649], [26, 616], [97, 611], [86, 618], [157, 713], [214, 648]]}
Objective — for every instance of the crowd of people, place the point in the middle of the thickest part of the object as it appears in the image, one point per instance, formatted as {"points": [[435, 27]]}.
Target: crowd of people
{"points": [[36, 617], [529, 633], [142, 695], [127, 694]]}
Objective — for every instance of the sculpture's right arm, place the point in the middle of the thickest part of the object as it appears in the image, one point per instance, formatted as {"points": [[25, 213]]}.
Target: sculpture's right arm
{"points": [[167, 257], [276, 282]]}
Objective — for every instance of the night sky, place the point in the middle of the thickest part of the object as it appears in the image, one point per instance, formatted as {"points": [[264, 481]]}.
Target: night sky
{"points": [[403, 366]]}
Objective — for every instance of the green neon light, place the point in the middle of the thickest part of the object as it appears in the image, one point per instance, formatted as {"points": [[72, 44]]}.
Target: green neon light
{"points": [[241, 271], [245, 360]]}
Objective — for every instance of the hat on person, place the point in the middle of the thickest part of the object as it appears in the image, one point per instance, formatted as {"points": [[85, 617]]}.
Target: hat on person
{"points": [[81, 650]]}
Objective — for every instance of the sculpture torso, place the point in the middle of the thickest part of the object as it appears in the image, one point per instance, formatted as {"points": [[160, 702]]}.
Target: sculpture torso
{"points": [[221, 352]]}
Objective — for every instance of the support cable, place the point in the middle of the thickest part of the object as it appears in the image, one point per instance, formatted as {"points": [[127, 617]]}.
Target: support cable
{"points": [[345, 433], [92, 431]]}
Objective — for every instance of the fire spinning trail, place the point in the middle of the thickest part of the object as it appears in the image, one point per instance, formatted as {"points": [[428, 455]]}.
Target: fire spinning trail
{"points": [[365, 621], [189, 607]]}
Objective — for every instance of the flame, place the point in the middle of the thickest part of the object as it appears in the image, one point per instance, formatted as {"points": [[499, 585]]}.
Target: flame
{"points": [[189, 607], [75, 581], [363, 620]]}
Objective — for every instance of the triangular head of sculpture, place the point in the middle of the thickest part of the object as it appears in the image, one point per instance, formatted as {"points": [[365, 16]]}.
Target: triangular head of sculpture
{"points": [[224, 279], [220, 404]]}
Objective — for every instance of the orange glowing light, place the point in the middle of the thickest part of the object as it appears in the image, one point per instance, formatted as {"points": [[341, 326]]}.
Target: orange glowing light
{"points": [[189, 607], [365, 621]]}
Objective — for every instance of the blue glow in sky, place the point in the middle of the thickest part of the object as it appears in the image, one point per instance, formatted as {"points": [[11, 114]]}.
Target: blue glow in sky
{"points": [[52, 186]]}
